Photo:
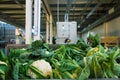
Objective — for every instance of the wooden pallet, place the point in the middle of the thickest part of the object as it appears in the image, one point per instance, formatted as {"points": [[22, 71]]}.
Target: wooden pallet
{"points": [[15, 46], [110, 41]]}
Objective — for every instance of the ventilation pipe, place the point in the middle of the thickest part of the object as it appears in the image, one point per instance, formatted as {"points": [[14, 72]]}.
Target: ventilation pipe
{"points": [[91, 12]]}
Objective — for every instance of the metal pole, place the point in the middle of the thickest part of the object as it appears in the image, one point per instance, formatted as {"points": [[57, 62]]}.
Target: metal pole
{"points": [[28, 27]]}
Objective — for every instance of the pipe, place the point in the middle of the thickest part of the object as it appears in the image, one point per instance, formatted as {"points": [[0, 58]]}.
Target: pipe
{"points": [[86, 6], [93, 10]]}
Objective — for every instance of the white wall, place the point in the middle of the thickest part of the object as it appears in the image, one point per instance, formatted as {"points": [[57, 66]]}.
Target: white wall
{"points": [[84, 36], [110, 28], [99, 30], [78, 36], [114, 27]]}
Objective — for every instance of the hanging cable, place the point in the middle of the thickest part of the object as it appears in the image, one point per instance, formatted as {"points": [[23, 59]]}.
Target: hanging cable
{"points": [[58, 10], [66, 18], [73, 11]]}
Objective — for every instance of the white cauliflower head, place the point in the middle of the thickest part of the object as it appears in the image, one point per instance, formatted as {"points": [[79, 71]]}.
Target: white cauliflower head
{"points": [[43, 66], [47, 52]]}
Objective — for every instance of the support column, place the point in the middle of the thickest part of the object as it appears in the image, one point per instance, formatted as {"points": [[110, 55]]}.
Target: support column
{"points": [[51, 30], [55, 31], [106, 29], [37, 19], [47, 28], [28, 27]]}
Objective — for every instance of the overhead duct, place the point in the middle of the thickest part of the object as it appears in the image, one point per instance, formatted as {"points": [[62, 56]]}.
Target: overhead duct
{"points": [[91, 12], [86, 6]]}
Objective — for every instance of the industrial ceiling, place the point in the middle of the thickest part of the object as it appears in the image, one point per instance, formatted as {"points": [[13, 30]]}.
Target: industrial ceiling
{"points": [[85, 12]]}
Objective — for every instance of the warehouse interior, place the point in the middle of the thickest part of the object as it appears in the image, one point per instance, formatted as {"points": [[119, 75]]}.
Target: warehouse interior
{"points": [[92, 16], [55, 21]]}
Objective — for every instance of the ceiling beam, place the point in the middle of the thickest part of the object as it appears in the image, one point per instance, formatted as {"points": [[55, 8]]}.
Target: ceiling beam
{"points": [[76, 5], [77, 9], [13, 11], [83, 5], [4, 0], [45, 3], [91, 12], [18, 17], [76, 1], [47, 7], [9, 5], [15, 14], [9, 20], [63, 13], [75, 17], [21, 5]]}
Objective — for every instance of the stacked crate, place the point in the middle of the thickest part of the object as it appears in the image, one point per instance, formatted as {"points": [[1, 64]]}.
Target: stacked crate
{"points": [[110, 41], [7, 32]]}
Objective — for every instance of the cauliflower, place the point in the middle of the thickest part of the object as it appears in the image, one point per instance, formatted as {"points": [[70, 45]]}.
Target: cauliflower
{"points": [[43, 66], [47, 52]]}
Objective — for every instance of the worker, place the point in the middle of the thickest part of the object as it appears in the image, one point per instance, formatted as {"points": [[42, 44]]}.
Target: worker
{"points": [[67, 40], [54, 40]]}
